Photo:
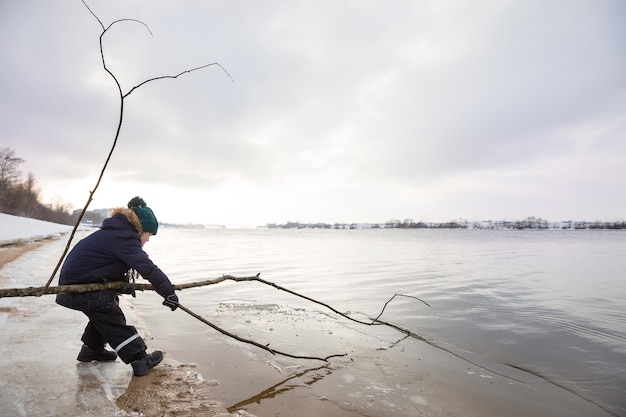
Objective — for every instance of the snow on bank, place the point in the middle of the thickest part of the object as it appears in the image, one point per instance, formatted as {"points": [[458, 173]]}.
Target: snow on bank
{"points": [[14, 229]]}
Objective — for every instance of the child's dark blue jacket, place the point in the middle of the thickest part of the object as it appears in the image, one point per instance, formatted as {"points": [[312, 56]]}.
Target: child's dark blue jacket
{"points": [[106, 255]]}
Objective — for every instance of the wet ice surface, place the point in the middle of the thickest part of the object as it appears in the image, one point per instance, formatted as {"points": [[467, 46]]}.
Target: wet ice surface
{"points": [[261, 383], [39, 367], [384, 372], [39, 374], [366, 380]]}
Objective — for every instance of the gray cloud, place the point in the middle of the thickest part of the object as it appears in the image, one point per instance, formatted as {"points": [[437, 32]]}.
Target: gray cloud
{"points": [[398, 110]]}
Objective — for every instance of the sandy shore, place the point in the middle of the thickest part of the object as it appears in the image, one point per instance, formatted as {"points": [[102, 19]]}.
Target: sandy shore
{"points": [[11, 252], [39, 374]]}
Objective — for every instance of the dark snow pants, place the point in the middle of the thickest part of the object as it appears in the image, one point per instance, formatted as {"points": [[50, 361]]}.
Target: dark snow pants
{"points": [[110, 327]]}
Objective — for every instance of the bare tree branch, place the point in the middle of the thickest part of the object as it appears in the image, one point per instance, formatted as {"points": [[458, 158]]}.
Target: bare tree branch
{"points": [[252, 342], [119, 285], [61, 289], [122, 97], [80, 288]]}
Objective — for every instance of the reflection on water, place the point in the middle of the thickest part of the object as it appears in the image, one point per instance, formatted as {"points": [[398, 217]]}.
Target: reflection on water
{"points": [[294, 381], [551, 302]]}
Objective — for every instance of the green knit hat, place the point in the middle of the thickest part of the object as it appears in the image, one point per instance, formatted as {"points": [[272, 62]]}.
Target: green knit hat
{"points": [[147, 218]]}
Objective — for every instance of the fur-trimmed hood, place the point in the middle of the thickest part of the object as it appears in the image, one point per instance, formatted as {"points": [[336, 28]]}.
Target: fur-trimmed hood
{"points": [[105, 256], [130, 215]]}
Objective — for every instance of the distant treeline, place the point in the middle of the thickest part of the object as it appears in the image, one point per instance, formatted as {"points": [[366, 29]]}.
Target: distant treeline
{"points": [[387, 225], [20, 197], [191, 226], [530, 223]]}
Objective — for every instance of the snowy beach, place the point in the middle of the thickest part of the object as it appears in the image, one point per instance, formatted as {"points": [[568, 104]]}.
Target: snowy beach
{"points": [[398, 376], [15, 230]]}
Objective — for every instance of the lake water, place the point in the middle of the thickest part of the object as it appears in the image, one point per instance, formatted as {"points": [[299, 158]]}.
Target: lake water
{"points": [[550, 302]]}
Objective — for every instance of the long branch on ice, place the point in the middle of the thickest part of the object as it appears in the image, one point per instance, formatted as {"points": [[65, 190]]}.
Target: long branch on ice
{"points": [[120, 285]]}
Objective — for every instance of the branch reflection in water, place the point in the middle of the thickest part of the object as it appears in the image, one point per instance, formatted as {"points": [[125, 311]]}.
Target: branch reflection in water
{"points": [[317, 375]]}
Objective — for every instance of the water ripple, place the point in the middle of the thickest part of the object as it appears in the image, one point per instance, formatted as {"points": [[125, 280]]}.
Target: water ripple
{"points": [[552, 302]]}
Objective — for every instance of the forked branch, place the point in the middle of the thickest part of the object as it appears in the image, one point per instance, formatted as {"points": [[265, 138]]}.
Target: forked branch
{"points": [[122, 97]]}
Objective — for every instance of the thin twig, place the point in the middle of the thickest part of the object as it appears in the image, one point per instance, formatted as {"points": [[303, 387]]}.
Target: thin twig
{"points": [[178, 75], [93, 14], [394, 296]]}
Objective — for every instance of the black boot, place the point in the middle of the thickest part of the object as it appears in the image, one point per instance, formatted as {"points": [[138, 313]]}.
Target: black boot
{"points": [[143, 365], [88, 354]]}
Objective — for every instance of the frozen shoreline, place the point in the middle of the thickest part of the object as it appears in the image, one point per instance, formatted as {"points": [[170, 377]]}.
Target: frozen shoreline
{"points": [[39, 374]]}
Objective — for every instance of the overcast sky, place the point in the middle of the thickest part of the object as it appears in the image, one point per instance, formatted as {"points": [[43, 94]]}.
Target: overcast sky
{"points": [[340, 111]]}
